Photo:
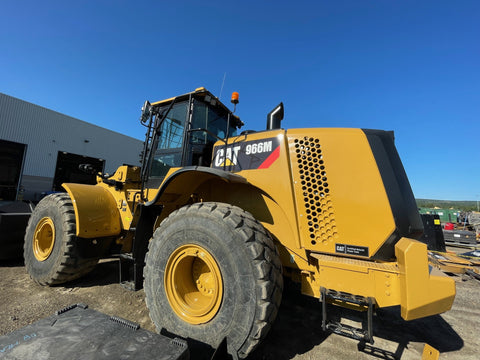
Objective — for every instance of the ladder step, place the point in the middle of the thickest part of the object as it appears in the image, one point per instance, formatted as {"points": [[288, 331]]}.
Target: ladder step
{"points": [[343, 329], [126, 256], [346, 297], [347, 330]]}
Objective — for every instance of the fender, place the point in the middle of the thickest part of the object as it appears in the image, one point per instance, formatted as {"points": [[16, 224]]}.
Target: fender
{"points": [[202, 174], [236, 191], [96, 212]]}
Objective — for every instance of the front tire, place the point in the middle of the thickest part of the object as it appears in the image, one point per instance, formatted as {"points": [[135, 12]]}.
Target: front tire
{"points": [[212, 271], [50, 249]]}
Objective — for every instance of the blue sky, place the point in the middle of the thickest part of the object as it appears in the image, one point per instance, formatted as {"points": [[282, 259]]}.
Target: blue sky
{"points": [[407, 66]]}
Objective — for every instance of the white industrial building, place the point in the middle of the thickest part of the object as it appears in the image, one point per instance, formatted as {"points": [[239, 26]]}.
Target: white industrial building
{"points": [[40, 148]]}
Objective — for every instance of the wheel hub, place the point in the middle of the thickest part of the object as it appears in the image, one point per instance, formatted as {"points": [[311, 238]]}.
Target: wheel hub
{"points": [[43, 239], [193, 284]]}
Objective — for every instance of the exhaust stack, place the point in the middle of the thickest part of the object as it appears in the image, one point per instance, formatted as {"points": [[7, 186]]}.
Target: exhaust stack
{"points": [[275, 117]]}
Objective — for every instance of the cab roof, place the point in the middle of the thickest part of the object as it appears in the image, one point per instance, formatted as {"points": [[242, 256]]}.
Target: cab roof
{"points": [[200, 92], [205, 95]]}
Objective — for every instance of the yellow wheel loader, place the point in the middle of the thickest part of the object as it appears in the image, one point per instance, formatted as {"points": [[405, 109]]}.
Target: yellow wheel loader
{"points": [[215, 218]]}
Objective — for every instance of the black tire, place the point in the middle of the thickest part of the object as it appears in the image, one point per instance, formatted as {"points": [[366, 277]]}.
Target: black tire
{"points": [[63, 262], [250, 269]]}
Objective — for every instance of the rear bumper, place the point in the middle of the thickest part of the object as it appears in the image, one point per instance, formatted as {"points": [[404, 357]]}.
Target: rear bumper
{"points": [[409, 281], [422, 292]]}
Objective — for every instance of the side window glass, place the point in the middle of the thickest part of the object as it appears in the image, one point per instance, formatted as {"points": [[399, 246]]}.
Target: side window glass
{"points": [[172, 128], [170, 141]]}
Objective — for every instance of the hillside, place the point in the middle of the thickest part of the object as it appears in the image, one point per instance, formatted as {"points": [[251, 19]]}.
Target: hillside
{"points": [[447, 204]]}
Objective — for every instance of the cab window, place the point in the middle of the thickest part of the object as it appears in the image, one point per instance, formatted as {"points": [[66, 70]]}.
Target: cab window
{"points": [[169, 149], [212, 119]]}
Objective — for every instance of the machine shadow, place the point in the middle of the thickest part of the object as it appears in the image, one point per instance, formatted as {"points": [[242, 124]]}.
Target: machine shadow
{"points": [[433, 330], [301, 317], [297, 329], [106, 272]]}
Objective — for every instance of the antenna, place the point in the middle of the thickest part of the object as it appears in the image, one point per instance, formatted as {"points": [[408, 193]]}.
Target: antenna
{"points": [[223, 82]]}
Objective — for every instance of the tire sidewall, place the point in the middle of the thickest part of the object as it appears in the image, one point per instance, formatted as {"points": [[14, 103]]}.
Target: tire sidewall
{"points": [[227, 246], [43, 271]]}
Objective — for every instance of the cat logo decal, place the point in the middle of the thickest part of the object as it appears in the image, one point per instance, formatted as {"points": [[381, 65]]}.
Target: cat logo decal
{"points": [[248, 155]]}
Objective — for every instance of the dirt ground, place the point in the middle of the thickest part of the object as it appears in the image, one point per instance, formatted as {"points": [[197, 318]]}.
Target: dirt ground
{"points": [[296, 333]]}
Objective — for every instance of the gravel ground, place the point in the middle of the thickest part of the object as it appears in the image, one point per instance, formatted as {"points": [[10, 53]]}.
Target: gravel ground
{"points": [[296, 334]]}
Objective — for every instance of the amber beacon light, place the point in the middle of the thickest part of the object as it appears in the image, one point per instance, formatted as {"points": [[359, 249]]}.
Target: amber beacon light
{"points": [[234, 98]]}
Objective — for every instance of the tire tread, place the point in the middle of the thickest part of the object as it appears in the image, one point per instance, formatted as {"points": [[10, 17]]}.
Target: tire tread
{"points": [[68, 266], [264, 258]]}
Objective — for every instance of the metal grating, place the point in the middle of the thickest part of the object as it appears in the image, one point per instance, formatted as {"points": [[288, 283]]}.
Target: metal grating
{"points": [[343, 262], [317, 201]]}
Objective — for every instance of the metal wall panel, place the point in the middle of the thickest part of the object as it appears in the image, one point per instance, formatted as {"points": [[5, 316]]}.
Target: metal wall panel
{"points": [[46, 132]]}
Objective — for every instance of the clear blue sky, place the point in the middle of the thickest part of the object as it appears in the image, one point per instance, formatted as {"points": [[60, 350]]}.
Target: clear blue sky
{"points": [[407, 66]]}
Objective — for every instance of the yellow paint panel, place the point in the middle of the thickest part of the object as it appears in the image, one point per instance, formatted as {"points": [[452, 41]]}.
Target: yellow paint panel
{"points": [[96, 212], [339, 191], [430, 353], [276, 184], [162, 101], [366, 278], [422, 292]]}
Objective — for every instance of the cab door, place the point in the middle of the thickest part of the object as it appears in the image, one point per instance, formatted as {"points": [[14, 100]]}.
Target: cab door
{"points": [[168, 143]]}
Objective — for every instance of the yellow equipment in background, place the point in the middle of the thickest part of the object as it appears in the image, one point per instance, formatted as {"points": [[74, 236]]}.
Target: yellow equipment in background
{"points": [[219, 217]]}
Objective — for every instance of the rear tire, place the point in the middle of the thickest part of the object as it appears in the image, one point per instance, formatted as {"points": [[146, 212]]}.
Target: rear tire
{"points": [[50, 247], [227, 260]]}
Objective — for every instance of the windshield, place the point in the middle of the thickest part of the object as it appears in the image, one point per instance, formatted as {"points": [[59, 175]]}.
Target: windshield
{"points": [[214, 120]]}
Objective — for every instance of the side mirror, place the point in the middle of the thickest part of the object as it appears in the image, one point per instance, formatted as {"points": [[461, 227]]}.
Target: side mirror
{"points": [[146, 112], [275, 117]]}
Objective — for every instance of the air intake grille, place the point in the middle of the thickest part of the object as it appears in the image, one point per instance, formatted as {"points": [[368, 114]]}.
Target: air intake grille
{"points": [[318, 209]]}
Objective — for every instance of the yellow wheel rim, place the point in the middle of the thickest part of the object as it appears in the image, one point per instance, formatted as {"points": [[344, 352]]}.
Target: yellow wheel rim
{"points": [[193, 284], [43, 239]]}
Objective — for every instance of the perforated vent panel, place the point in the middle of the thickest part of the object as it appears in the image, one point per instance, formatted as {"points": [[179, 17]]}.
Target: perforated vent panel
{"points": [[314, 199]]}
